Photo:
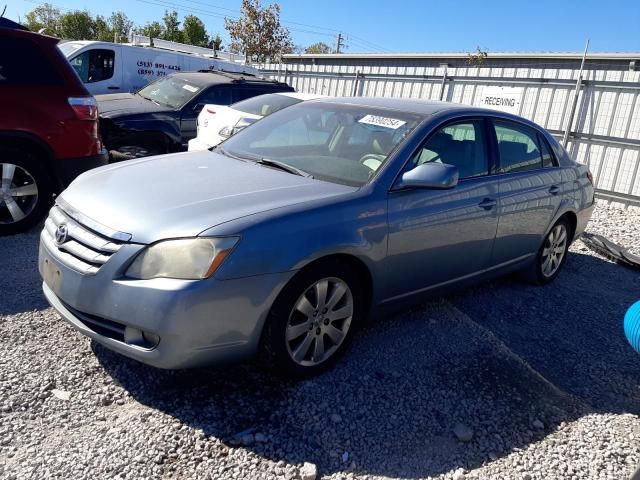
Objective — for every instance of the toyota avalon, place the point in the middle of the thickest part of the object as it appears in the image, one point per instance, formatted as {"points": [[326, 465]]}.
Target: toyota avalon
{"points": [[288, 236]]}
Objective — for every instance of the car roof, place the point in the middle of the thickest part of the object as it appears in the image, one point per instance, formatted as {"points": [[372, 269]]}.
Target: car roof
{"points": [[421, 107], [206, 78], [10, 24], [301, 96]]}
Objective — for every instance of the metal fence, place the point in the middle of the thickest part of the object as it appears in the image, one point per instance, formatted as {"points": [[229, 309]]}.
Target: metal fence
{"points": [[604, 132]]}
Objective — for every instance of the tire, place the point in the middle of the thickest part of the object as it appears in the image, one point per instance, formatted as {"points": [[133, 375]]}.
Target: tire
{"points": [[132, 151], [332, 326], [544, 269], [26, 190]]}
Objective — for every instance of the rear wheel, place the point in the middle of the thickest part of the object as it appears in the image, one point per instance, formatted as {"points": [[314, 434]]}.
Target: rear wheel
{"points": [[128, 152], [552, 254], [313, 320], [25, 190]]}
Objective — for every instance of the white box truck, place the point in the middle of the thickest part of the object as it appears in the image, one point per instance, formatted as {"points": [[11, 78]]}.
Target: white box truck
{"points": [[106, 67]]}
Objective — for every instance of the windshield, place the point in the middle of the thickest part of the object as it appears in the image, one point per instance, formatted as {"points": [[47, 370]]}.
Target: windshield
{"points": [[170, 91], [68, 48], [341, 143], [264, 105]]}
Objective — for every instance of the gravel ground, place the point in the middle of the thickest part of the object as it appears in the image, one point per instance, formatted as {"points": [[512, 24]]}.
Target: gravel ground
{"points": [[502, 381]]}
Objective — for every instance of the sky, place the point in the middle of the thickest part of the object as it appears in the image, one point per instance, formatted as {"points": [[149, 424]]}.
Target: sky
{"points": [[410, 25]]}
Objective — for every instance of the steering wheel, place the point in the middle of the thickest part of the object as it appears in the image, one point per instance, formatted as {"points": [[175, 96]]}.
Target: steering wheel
{"points": [[372, 161]]}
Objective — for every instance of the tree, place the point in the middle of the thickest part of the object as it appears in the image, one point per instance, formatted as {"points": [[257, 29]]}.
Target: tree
{"points": [[216, 43], [101, 30], [152, 29], [46, 17], [194, 32], [76, 25], [477, 58], [319, 47], [120, 25], [171, 27], [258, 31]]}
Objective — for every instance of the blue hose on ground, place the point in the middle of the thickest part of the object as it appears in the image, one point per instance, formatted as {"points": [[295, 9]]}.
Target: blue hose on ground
{"points": [[632, 326]]}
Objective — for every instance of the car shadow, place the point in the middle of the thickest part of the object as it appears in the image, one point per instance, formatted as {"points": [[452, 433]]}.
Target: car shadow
{"points": [[497, 358]]}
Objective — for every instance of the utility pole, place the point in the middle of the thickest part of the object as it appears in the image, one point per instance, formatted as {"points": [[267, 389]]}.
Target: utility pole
{"points": [[339, 42]]}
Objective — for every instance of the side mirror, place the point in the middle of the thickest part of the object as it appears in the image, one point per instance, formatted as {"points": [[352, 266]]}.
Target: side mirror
{"points": [[197, 108], [430, 175]]}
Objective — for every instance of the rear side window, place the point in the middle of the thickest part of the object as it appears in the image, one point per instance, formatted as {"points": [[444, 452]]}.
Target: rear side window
{"points": [[517, 146], [547, 156], [94, 65], [218, 95], [461, 144], [23, 62], [245, 91]]}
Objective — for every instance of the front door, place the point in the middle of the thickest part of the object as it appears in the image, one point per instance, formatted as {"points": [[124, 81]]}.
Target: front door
{"points": [[439, 236]]}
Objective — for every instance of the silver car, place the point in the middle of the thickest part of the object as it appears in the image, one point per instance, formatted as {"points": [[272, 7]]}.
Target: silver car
{"points": [[291, 234]]}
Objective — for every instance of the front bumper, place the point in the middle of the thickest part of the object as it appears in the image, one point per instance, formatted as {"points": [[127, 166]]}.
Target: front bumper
{"points": [[69, 168], [198, 322]]}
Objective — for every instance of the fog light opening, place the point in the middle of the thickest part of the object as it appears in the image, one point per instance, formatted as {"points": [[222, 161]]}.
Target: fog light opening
{"points": [[140, 338]]}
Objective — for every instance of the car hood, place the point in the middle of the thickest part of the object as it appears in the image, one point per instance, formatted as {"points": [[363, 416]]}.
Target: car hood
{"points": [[183, 194], [123, 104]]}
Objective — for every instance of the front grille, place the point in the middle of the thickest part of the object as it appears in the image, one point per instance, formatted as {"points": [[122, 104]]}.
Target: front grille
{"points": [[84, 250]]}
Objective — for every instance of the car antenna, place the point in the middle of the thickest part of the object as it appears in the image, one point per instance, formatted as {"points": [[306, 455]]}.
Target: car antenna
{"points": [[3, 10]]}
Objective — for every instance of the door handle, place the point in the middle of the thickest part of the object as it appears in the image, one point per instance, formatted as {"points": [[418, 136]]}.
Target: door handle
{"points": [[554, 189], [113, 88], [488, 203]]}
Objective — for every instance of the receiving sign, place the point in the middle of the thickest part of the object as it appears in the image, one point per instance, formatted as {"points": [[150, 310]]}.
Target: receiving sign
{"points": [[505, 99]]}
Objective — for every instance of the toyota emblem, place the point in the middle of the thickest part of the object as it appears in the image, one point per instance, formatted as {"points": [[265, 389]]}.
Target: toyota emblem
{"points": [[61, 233]]}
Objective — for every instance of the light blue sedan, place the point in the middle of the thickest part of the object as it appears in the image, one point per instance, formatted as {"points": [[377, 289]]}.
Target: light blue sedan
{"points": [[290, 235]]}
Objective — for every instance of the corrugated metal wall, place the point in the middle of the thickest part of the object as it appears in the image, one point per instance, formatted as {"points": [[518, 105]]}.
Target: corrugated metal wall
{"points": [[606, 127]]}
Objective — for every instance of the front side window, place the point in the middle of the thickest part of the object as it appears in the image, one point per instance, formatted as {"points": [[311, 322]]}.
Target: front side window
{"points": [[216, 95], [318, 139], [170, 91], [461, 144], [264, 105], [94, 65], [517, 146]]}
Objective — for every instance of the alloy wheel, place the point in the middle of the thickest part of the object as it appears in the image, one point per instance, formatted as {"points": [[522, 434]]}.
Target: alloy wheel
{"points": [[319, 321], [554, 249], [18, 193]]}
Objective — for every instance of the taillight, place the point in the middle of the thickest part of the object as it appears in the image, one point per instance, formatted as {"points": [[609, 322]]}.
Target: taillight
{"points": [[590, 176], [211, 111], [86, 108]]}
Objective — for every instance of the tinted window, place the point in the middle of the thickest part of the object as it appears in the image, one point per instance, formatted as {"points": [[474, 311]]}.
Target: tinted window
{"points": [[518, 147], [94, 65], [316, 137], [461, 144], [244, 92], [23, 63], [547, 156], [217, 95], [265, 104]]}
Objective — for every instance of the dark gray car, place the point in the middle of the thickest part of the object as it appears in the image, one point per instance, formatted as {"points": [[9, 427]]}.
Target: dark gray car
{"points": [[298, 229]]}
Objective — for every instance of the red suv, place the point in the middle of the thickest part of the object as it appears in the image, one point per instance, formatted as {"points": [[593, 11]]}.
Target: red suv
{"points": [[48, 126]]}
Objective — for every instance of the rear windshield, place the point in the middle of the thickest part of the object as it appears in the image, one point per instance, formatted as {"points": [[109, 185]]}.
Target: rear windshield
{"points": [[170, 91], [264, 105]]}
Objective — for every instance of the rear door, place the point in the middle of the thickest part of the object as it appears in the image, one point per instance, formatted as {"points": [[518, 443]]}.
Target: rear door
{"points": [[530, 189], [440, 236]]}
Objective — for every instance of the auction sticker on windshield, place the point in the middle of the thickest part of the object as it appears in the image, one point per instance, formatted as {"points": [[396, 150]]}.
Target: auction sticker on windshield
{"points": [[386, 122], [191, 88]]}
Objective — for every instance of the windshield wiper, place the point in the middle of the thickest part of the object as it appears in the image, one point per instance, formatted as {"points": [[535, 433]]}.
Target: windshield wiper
{"points": [[283, 166]]}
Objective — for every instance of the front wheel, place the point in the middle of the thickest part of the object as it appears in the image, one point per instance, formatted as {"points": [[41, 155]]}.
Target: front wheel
{"points": [[313, 320], [552, 254]]}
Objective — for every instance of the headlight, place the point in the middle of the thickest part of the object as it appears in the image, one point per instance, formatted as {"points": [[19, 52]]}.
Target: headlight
{"points": [[187, 259], [226, 132]]}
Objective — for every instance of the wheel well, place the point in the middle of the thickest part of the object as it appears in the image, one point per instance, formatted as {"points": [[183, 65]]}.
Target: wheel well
{"points": [[42, 152], [573, 222], [357, 266]]}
